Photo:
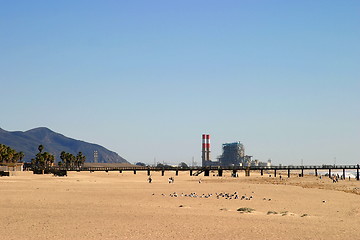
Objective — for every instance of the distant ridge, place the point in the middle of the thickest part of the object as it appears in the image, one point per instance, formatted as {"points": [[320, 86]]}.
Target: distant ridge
{"points": [[55, 143]]}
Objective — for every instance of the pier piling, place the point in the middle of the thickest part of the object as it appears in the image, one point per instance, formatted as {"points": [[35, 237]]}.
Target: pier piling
{"points": [[247, 172]]}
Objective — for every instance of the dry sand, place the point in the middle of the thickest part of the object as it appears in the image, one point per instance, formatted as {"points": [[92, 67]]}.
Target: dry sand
{"points": [[117, 205]]}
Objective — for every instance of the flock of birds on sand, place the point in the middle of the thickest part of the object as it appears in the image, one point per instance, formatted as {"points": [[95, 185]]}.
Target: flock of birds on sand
{"points": [[221, 195]]}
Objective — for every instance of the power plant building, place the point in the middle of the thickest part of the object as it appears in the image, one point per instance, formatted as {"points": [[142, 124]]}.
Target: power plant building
{"points": [[233, 155]]}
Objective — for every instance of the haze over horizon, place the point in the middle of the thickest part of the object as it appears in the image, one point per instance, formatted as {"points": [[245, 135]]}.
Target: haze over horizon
{"points": [[146, 78]]}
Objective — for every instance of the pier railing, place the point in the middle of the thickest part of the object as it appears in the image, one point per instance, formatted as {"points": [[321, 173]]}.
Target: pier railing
{"points": [[212, 168], [206, 170]]}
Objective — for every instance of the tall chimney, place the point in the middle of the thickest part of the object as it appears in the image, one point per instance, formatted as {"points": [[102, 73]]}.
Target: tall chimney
{"points": [[205, 149], [208, 148]]}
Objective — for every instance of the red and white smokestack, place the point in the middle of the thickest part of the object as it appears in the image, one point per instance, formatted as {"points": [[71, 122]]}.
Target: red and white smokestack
{"points": [[205, 149], [208, 147], [204, 143]]}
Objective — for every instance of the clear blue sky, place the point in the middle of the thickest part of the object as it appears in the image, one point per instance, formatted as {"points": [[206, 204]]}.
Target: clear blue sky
{"points": [[147, 78]]}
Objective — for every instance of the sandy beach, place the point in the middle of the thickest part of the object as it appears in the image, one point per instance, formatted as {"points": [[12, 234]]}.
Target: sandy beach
{"points": [[117, 205]]}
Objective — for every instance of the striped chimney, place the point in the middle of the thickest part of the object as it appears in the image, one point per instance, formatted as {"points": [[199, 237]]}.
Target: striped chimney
{"points": [[205, 149], [204, 143], [208, 147]]}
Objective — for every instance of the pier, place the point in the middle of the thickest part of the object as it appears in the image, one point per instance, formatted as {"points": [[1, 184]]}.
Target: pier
{"points": [[195, 171]]}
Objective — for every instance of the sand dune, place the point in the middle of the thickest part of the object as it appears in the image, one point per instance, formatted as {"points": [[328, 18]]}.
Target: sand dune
{"points": [[117, 205]]}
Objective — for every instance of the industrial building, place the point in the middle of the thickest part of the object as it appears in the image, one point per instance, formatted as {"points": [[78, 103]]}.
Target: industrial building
{"points": [[233, 155]]}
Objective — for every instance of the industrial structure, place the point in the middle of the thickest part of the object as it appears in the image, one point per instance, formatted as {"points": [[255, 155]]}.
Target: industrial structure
{"points": [[233, 155], [205, 157]]}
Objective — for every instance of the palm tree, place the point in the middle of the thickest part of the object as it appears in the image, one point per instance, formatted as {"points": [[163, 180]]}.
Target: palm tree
{"points": [[50, 160], [21, 156], [71, 160], [40, 148], [42, 159], [80, 159], [63, 156], [67, 159], [10, 155]]}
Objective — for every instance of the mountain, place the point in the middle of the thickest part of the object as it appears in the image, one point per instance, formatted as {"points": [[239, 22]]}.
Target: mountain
{"points": [[55, 143]]}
